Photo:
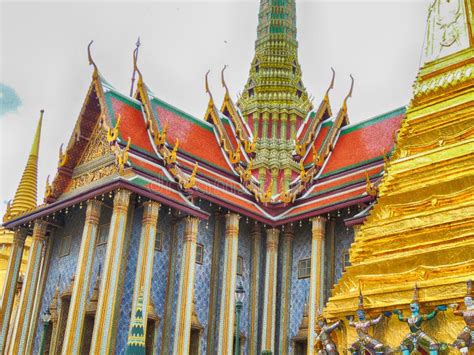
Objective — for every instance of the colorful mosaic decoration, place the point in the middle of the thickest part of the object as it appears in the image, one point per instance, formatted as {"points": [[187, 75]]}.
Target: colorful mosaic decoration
{"points": [[153, 216]]}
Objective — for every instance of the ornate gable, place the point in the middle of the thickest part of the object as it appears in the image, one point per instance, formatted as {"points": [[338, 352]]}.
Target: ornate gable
{"points": [[97, 162]]}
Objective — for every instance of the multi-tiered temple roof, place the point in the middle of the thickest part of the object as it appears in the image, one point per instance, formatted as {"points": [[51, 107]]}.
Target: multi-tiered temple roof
{"points": [[271, 157]]}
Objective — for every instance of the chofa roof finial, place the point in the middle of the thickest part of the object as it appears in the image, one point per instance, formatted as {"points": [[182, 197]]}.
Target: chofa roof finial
{"points": [[349, 93], [91, 61], [135, 66], [331, 85], [207, 85], [223, 80]]}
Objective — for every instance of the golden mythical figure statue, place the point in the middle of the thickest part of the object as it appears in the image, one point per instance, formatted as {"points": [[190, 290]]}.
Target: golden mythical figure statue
{"points": [[465, 339]]}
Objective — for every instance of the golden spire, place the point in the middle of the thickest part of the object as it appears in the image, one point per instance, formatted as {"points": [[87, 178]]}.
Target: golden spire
{"points": [[25, 196]]}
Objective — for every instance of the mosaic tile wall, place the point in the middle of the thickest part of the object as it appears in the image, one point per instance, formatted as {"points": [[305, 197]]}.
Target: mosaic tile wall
{"points": [[343, 241], [202, 278], [129, 281], [160, 272], [244, 252], [299, 287], [173, 305], [61, 268]]}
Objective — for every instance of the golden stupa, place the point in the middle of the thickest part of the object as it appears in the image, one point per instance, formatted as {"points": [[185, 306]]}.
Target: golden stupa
{"points": [[24, 201], [421, 229]]}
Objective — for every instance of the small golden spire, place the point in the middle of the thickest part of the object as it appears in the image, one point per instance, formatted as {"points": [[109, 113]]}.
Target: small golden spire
{"points": [[25, 196]]}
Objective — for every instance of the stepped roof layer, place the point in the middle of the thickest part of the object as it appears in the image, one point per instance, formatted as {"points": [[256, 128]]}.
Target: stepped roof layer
{"points": [[165, 154]]}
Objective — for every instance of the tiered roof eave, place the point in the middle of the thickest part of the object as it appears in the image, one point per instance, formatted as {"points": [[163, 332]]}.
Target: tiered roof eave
{"points": [[151, 158]]}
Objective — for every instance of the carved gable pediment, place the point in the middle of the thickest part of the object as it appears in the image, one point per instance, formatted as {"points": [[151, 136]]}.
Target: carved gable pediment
{"points": [[97, 161]]}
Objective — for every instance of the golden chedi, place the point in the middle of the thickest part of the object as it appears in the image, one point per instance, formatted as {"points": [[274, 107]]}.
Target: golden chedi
{"points": [[421, 229]]}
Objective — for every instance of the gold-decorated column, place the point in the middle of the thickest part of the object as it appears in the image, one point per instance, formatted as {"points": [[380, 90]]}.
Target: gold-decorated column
{"points": [[27, 296], [316, 278], [80, 291], [10, 284], [186, 286], [271, 263], [144, 270], [227, 312], [103, 337]]}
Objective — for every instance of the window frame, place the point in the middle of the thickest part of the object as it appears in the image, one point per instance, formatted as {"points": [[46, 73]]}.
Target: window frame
{"points": [[306, 268], [161, 235], [64, 239], [240, 261], [200, 261], [345, 259], [98, 242]]}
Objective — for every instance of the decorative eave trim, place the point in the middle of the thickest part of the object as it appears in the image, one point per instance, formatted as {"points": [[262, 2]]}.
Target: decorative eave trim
{"points": [[58, 205]]}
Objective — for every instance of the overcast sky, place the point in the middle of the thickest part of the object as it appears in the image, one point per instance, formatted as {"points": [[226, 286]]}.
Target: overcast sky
{"points": [[44, 60]]}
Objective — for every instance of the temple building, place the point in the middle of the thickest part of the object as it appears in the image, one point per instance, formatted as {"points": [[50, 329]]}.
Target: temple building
{"points": [[157, 225]]}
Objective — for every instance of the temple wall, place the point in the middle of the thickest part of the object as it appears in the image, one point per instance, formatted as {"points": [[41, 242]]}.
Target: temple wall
{"points": [[159, 279], [299, 287], [245, 253], [343, 241], [173, 305], [129, 280], [64, 267], [202, 278], [61, 268]]}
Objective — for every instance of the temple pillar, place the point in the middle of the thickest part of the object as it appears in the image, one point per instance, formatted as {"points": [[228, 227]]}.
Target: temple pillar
{"points": [[287, 258], [44, 266], [271, 263], [105, 324], [80, 291], [186, 285], [25, 307], [316, 279], [229, 278], [144, 270], [10, 284], [256, 252], [214, 284]]}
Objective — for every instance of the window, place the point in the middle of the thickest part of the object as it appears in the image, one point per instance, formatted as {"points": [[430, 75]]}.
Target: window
{"points": [[199, 253], [345, 260], [103, 234], [304, 268], [240, 265], [159, 241], [65, 247]]}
